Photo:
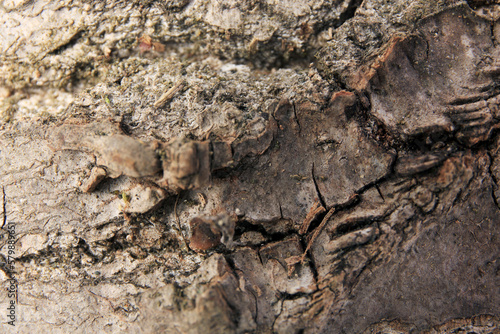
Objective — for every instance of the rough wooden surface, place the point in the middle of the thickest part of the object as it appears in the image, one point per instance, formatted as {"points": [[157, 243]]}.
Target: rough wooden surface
{"points": [[251, 166]]}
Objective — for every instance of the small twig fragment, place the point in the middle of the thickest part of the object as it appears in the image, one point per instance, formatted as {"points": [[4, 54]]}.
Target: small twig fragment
{"points": [[293, 261], [169, 94]]}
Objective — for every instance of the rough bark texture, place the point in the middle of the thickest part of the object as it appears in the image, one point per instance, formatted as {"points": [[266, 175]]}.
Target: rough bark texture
{"points": [[250, 166]]}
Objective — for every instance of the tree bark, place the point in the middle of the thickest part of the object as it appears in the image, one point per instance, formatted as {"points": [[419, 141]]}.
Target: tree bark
{"points": [[250, 166]]}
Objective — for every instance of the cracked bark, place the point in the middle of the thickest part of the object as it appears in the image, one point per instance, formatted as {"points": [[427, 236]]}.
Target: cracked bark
{"points": [[165, 175]]}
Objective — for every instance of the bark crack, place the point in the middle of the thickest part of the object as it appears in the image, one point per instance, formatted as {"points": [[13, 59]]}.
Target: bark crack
{"points": [[348, 13], [279, 314], [296, 117], [494, 179], [320, 196]]}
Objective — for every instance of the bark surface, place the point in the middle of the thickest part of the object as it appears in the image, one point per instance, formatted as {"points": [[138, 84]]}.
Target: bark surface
{"points": [[250, 166]]}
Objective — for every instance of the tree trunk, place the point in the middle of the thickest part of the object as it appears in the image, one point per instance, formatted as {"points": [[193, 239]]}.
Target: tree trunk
{"points": [[250, 166]]}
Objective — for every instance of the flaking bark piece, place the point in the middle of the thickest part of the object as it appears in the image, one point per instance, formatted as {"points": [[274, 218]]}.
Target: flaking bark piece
{"points": [[204, 235], [222, 155], [276, 258], [254, 146], [97, 174], [316, 210], [118, 153], [124, 155], [209, 232], [186, 164], [143, 198]]}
